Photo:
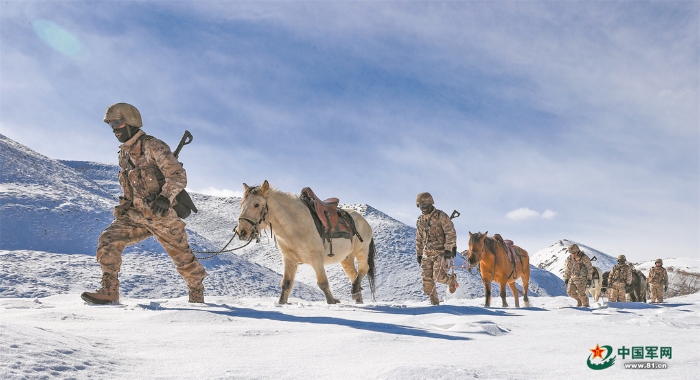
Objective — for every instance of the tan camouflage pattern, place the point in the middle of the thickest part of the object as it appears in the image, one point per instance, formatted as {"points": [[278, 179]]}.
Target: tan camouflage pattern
{"points": [[657, 275], [657, 293], [435, 233], [657, 279], [620, 273], [578, 266], [576, 289], [134, 220], [138, 176], [124, 111], [617, 292]]}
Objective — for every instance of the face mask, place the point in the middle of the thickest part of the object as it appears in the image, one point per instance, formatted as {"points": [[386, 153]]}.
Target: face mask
{"points": [[123, 134], [426, 209]]}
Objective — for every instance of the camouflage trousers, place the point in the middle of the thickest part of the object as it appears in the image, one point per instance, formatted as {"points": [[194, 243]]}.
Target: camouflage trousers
{"points": [[133, 227], [577, 290], [617, 292], [657, 292], [432, 271]]}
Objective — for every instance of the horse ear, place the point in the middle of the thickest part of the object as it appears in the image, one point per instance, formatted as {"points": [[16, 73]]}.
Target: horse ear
{"points": [[486, 234], [470, 234], [265, 186], [245, 187]]}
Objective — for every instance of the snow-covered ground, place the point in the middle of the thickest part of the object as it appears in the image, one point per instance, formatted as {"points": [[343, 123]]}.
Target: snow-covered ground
{"points": [[254, 338], [53, 211]]}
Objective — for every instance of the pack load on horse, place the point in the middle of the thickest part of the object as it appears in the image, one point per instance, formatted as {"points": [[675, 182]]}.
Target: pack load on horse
{"points": [[501, 262], [292, 223]]}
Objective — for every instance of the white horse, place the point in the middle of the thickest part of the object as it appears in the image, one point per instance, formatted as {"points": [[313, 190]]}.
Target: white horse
{"points": [[594, 289], [298, 240]]}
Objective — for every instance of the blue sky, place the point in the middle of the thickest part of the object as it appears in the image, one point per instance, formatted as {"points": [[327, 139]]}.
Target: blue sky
{"points": [[536, 120]]}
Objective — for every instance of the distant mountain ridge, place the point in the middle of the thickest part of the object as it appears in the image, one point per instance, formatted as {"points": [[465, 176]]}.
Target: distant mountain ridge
{"points": [[553, 258], [62, 206]]}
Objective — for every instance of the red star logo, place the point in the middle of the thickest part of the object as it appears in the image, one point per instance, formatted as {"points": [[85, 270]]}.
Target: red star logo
{"points": [[597, 352]]}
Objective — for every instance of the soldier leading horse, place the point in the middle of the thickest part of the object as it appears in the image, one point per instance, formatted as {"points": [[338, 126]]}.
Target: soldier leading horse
{"points": [[495, 266], [299, 242]]}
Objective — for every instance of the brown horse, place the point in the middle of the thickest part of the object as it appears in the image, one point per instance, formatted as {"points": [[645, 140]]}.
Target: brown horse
{"points": [[492, 258]]}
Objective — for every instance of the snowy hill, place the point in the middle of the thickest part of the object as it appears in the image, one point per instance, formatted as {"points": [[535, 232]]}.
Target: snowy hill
{"points": [[54, 207], [683, 275], [553, 258]]}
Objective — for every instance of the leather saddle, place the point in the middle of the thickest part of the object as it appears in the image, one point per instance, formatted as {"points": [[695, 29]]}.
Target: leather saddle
{"points": [[331, 221], [326, 211], [511, 251]]}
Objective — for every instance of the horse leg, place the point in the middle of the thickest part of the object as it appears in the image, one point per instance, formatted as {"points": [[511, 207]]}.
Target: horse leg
{"points": [[290, 271], [322, 281], [514, 289], [348, 265], [526, 286], [487, 293], [503, 293]]}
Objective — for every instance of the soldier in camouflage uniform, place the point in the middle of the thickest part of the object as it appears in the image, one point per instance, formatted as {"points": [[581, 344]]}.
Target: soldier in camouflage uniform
{"points": [[151, 177], [658, 281], [578, 273], [620, 277], [435, 239]]}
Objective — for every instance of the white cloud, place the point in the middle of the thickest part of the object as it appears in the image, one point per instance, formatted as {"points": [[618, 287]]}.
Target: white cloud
{"points": [[549, 214], [525, 213], [219, 192]]}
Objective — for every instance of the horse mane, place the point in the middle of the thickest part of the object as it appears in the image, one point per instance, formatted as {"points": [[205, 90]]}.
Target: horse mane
{"points": [[256, 190]]}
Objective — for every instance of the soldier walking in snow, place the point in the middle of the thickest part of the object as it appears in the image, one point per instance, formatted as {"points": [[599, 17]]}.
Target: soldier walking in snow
{"points": [[435, 239], [658, 281], [578, 273], [620, 277], [151, 178]]}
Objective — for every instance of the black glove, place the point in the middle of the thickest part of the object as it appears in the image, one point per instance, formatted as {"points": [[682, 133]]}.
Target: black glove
{"points": [[588, 283], [160, 205], [419, 258], [566, 282], [665, 288], [447, 254]]}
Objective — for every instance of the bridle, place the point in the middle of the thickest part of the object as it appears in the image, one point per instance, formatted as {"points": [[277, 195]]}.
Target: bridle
{"points": [[255, 226], [477, 254]]}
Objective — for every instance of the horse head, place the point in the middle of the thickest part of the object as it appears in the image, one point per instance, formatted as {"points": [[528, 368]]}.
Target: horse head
{"points": [[253, 211], [476, 248]]}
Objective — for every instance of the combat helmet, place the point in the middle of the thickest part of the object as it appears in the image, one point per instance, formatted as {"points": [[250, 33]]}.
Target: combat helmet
{"points": [[621, 259], [573, 248], [659, 261], [424, 198], [125, 112]]}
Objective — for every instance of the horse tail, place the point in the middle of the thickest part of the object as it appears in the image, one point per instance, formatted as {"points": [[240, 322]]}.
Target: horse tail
{"points": [[371, 272]]}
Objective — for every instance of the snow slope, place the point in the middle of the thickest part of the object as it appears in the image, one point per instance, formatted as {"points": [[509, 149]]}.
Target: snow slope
{"points": [[553, 258], [683, 275]]}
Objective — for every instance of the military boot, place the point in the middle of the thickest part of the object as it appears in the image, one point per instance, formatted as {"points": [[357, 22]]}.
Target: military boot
{"points": [[585, 302], [108, 293], [578, 302], [434, 300], [197, 294]]}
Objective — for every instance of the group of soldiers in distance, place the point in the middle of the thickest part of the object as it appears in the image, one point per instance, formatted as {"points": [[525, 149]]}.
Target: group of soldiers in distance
{"points": [[578, 274], [152, 178], [436, 239]]}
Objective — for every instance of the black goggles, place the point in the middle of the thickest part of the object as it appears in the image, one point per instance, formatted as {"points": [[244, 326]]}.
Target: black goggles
{"points": [[116, 124]]}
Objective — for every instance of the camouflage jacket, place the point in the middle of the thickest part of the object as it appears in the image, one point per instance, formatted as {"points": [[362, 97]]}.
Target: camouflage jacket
{"points": [[657, 275], [621, 273], [580, 268], [148, 167], [435, 233]]}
